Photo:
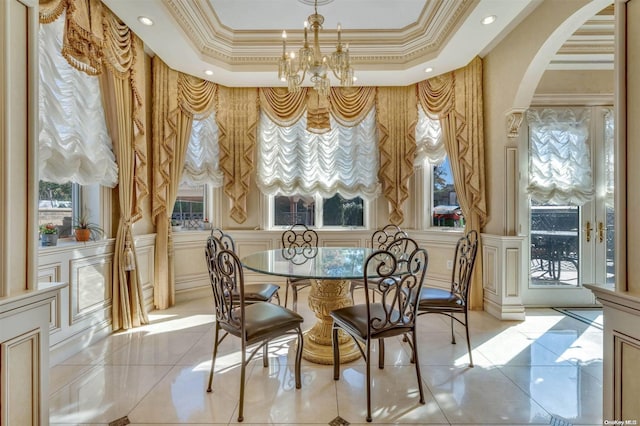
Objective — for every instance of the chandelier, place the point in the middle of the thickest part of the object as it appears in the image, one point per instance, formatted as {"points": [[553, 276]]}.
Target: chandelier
{"points": [[311, 60]]}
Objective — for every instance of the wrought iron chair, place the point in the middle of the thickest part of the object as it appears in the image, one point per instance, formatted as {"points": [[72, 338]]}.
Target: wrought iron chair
{"points": [[299, 243], [253, 323], [379, 240], [259, 292], [454, 300], [397, 274]]}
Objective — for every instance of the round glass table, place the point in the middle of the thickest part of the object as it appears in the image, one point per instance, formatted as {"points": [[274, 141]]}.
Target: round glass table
{"points": [[330, 270]]}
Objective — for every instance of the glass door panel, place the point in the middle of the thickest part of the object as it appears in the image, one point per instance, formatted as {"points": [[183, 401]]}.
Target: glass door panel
{"points": [[555, 245]]}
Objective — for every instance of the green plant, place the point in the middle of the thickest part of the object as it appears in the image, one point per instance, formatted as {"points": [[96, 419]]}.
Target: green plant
{"points": [[82, 222], [48, 228], [175, 222]]}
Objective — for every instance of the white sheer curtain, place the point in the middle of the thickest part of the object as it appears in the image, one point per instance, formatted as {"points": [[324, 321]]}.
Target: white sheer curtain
{"points": [[293, 161], [429, 139], [559, 160], [202, 159], [74, 145], [609, 156]]}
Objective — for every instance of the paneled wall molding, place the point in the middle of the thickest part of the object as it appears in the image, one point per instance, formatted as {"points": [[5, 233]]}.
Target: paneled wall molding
{"points": [[145, 249], [504, 276], [81, 312], [621, 352], [191, 269], [512, 185], [24, 356], [514, 120]]}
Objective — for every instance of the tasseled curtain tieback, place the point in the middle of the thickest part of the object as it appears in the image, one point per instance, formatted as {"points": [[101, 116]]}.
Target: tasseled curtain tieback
{"points": [[129, 260]]}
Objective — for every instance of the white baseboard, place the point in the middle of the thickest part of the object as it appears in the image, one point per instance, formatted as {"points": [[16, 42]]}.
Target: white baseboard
{"points": [[505, 312]]}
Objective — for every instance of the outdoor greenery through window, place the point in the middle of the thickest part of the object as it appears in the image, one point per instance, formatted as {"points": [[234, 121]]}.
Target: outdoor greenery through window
{"points": [[336, 211], [55, 205], [446, 210]]}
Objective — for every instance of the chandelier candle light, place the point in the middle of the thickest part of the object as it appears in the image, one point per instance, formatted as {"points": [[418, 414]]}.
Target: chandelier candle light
{"points": [[312, 61]]}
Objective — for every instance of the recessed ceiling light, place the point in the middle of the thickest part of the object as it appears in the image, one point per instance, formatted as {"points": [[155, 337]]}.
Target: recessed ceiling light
{"points": [[208, 72], [488, 20], [428, 69], [145, 21]]}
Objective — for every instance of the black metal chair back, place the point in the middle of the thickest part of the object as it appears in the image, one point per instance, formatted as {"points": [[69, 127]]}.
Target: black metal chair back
{"points": [[400, 271], [226, 293], [226, 239], [254, 323], [397, 273], [454, 301], [380, 239], [383, 236], [463, 263], [299, 243]]}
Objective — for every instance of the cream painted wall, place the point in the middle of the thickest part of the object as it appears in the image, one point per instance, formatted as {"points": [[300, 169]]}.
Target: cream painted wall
{"points": [[576, 82]]}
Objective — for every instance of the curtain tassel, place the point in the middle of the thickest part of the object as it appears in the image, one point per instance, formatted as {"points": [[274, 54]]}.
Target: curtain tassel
{"points": [[129, 260]]}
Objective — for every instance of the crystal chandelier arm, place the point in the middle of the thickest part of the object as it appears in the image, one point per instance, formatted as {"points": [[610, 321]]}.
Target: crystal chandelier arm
{"points": [[311, 60]]}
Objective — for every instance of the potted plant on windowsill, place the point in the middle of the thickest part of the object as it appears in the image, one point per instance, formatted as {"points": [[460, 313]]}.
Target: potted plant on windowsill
{"points": [[176, 225], [48, 235], [85, 230]]}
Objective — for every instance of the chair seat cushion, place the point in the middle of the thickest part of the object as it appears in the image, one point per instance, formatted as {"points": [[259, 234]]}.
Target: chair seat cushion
{"points": [[264, 319], [439, 298], [260, 292], [354, 319]]}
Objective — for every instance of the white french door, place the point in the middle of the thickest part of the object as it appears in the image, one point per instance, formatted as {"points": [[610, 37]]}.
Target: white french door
{"points": [[570, 204]]}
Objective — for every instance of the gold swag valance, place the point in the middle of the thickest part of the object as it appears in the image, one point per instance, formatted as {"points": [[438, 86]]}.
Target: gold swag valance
{"points": [[456, 98]]}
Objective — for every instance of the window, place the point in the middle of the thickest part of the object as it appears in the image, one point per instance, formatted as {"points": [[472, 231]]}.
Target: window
{"points": [[189, 208], [74, 144], [63, 204], [440, 193], [321, 180], [446, 210], [55, 205], [336, 211]]}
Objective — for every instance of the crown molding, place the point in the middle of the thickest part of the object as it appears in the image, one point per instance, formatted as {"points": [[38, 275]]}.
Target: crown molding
{"points": [[399, 48]]}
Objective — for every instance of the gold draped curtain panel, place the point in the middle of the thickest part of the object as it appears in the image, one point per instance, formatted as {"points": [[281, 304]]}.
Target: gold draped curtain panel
{"points": [[95, 40], [97, 43], [456, 99]]}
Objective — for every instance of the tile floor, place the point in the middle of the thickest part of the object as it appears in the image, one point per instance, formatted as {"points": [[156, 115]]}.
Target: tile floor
{"points": [[545, 370]]}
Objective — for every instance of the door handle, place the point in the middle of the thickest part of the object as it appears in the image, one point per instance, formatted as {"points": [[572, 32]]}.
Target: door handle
{"points": [[588, 231], [601, 231]]}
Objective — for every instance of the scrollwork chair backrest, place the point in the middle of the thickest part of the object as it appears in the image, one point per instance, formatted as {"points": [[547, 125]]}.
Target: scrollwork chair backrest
{"points": [[381, 238], [397, 273], [227, 293], [463, 263], [299, 243], [226, 239]]}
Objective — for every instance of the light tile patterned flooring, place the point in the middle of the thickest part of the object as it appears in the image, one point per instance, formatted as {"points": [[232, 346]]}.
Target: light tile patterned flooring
{"points": [[544, 370]]}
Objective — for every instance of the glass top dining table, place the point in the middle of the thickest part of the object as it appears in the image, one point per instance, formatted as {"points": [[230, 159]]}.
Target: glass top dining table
{"points": [[330, 270], [323, 263]]}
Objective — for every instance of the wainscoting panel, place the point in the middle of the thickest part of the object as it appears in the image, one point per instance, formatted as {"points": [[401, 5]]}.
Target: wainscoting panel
{"points": [[24, 357], [20, 361], [145, 252], [489, 272], [627, 359], [81, 311], [503, 276], [621, 353], [90, 286]]}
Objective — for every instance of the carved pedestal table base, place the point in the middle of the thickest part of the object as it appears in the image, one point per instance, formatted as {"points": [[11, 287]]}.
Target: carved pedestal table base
{"points": [[326, 296]]}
